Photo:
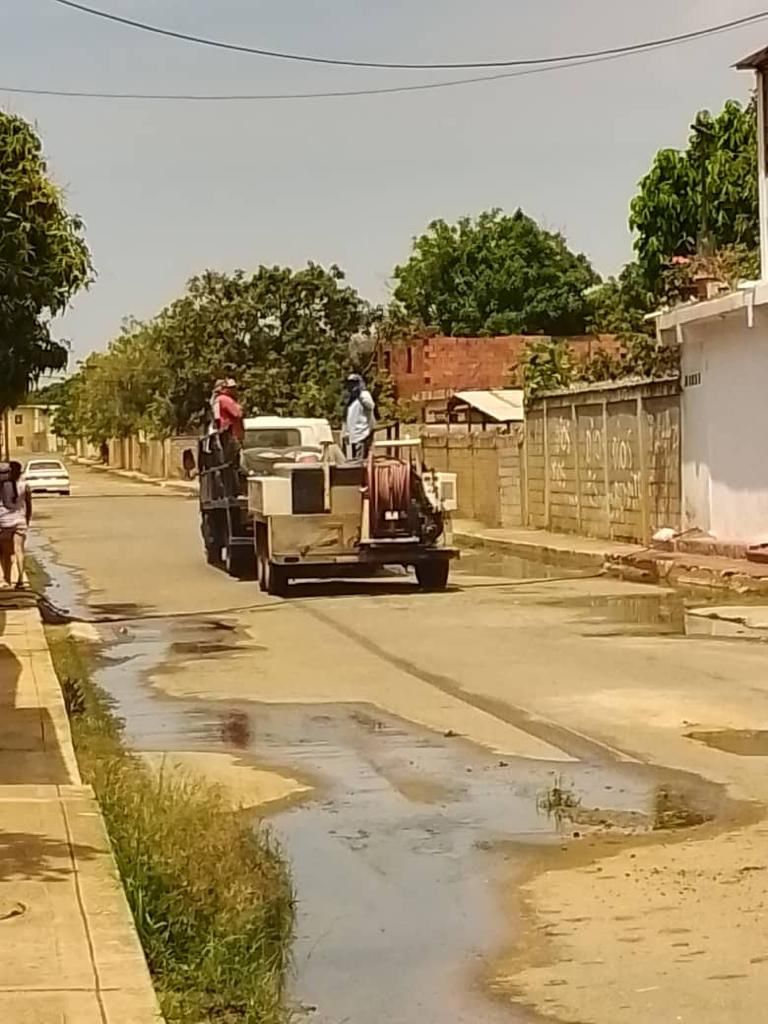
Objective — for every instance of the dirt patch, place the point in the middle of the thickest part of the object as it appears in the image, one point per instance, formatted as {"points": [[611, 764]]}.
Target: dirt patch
{"points": [[243, 784], [666, 924]]}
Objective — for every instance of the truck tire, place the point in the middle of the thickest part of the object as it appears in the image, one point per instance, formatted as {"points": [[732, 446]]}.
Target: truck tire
{"points": [[276, 579], [260, 545], [433, 575], [240, 561], [211, 538]]}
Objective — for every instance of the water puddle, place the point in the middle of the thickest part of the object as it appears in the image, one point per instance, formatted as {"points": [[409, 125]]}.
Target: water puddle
{"points": [[502, 566], [744, 742], [668, 614], [696, 614]]}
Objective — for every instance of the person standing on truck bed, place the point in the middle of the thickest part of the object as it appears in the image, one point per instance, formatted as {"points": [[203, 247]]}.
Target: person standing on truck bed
{"points": [[359, 418], [227, 412]]}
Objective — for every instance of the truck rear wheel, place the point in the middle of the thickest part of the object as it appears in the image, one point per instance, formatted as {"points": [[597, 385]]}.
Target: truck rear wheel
{"points": [[211, 538], [260, 545], [433, 575], [276, 579], [240, 561]]}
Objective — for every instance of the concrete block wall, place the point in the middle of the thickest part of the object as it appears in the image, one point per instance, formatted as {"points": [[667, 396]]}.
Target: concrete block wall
{"points": [[605, 461], [662, 431], [489, 473], [175, 448], [157, 458], [511, 479], [535, 476], [592, 453]]}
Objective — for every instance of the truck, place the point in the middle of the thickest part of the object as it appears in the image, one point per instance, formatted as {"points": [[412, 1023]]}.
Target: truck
{"points": [[286, 505]]}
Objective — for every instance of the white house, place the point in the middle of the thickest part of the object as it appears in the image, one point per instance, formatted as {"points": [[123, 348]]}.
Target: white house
{"points": [[724, 374]]}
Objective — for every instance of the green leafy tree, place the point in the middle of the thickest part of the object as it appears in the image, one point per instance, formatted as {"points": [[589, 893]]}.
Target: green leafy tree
{"points": [[44, 261], [702, 198], [288, 337], [620, 304], [497, 274], [285, 335]]}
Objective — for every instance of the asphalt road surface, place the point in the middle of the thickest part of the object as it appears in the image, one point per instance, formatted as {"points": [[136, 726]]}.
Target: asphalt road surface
{"points": [[519, 800]]}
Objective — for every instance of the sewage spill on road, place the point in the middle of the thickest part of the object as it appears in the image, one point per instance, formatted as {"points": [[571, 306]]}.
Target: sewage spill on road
{"points": [[394, 852], [501, 566], [659, 613], [743, 742]]}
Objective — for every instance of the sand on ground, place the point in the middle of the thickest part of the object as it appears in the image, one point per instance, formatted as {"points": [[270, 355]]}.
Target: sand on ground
{"points": [[242, 784], [666, 932]]}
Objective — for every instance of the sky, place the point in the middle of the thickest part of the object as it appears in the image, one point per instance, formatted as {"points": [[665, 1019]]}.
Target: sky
{"points": [[170, 189]]}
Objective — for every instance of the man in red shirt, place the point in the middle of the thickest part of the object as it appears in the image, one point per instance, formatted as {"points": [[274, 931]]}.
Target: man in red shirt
{"points": [[227, 412]]}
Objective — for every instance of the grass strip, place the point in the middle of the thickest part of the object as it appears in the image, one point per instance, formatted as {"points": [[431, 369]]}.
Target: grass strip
{"points": [[210, 893]]}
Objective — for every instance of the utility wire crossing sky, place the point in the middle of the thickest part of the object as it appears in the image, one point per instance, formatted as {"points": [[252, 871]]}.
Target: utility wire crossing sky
{"points": [[210, 169], [544, 64]]}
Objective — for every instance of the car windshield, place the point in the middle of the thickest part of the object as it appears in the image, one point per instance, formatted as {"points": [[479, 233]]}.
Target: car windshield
{"points": [[45, 467], [272, 437]]}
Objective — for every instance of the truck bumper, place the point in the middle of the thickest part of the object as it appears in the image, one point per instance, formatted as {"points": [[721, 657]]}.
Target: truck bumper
{"points": [[363, 563]]}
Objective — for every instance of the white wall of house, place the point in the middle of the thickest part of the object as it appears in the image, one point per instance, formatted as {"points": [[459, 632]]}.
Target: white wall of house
{"points": [[724, 367]]}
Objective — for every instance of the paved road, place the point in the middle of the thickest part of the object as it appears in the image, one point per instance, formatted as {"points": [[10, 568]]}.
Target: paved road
{"points": [[433, 723]]}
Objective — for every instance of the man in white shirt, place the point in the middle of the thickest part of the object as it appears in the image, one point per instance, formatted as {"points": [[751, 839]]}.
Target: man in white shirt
{"points": [[359, 418]]}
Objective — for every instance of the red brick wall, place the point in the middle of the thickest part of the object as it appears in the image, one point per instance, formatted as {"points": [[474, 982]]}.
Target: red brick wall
{"points": [[440, 365]]}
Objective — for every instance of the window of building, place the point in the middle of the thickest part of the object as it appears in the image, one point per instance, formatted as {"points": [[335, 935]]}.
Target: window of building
{"points": [[387, 360], [19, 442], [18, 420], [409, 360]]}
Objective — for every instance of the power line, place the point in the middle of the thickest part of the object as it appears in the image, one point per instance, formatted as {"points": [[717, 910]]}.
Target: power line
{"points": [[334, 94], [340, 93], [616, 51]]}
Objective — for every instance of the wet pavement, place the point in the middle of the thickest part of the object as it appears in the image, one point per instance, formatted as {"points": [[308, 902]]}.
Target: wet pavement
{"points": [[395, 849]]}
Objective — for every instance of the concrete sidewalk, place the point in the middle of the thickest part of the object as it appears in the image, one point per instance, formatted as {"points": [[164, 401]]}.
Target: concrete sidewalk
{"points": [[629, 561], [70, 951]]}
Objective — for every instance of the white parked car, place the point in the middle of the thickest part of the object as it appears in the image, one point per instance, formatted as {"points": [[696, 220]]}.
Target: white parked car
{"points": [[47, 476]]}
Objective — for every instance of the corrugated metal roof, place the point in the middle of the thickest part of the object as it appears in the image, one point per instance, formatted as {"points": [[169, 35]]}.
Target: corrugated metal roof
{"points": [[503, 406]]}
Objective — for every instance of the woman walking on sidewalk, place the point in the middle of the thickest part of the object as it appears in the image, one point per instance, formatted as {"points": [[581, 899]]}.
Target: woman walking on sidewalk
{"points": [[15, 514]]}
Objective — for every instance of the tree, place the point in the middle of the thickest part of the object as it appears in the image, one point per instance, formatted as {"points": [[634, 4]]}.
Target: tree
{"points": [[286, 336], [702, 198], [44, 261], [620, 304], [497, 274]]}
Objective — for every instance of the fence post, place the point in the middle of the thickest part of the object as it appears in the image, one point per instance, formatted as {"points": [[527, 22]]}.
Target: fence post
{"points": [[576, 461], [642, 438], [547, 487], [606, 471], [522, 461]]}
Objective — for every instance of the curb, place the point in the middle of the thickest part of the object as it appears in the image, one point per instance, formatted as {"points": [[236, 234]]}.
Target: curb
{"points": [[564, 557], [639, 566], [674, 571]]}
